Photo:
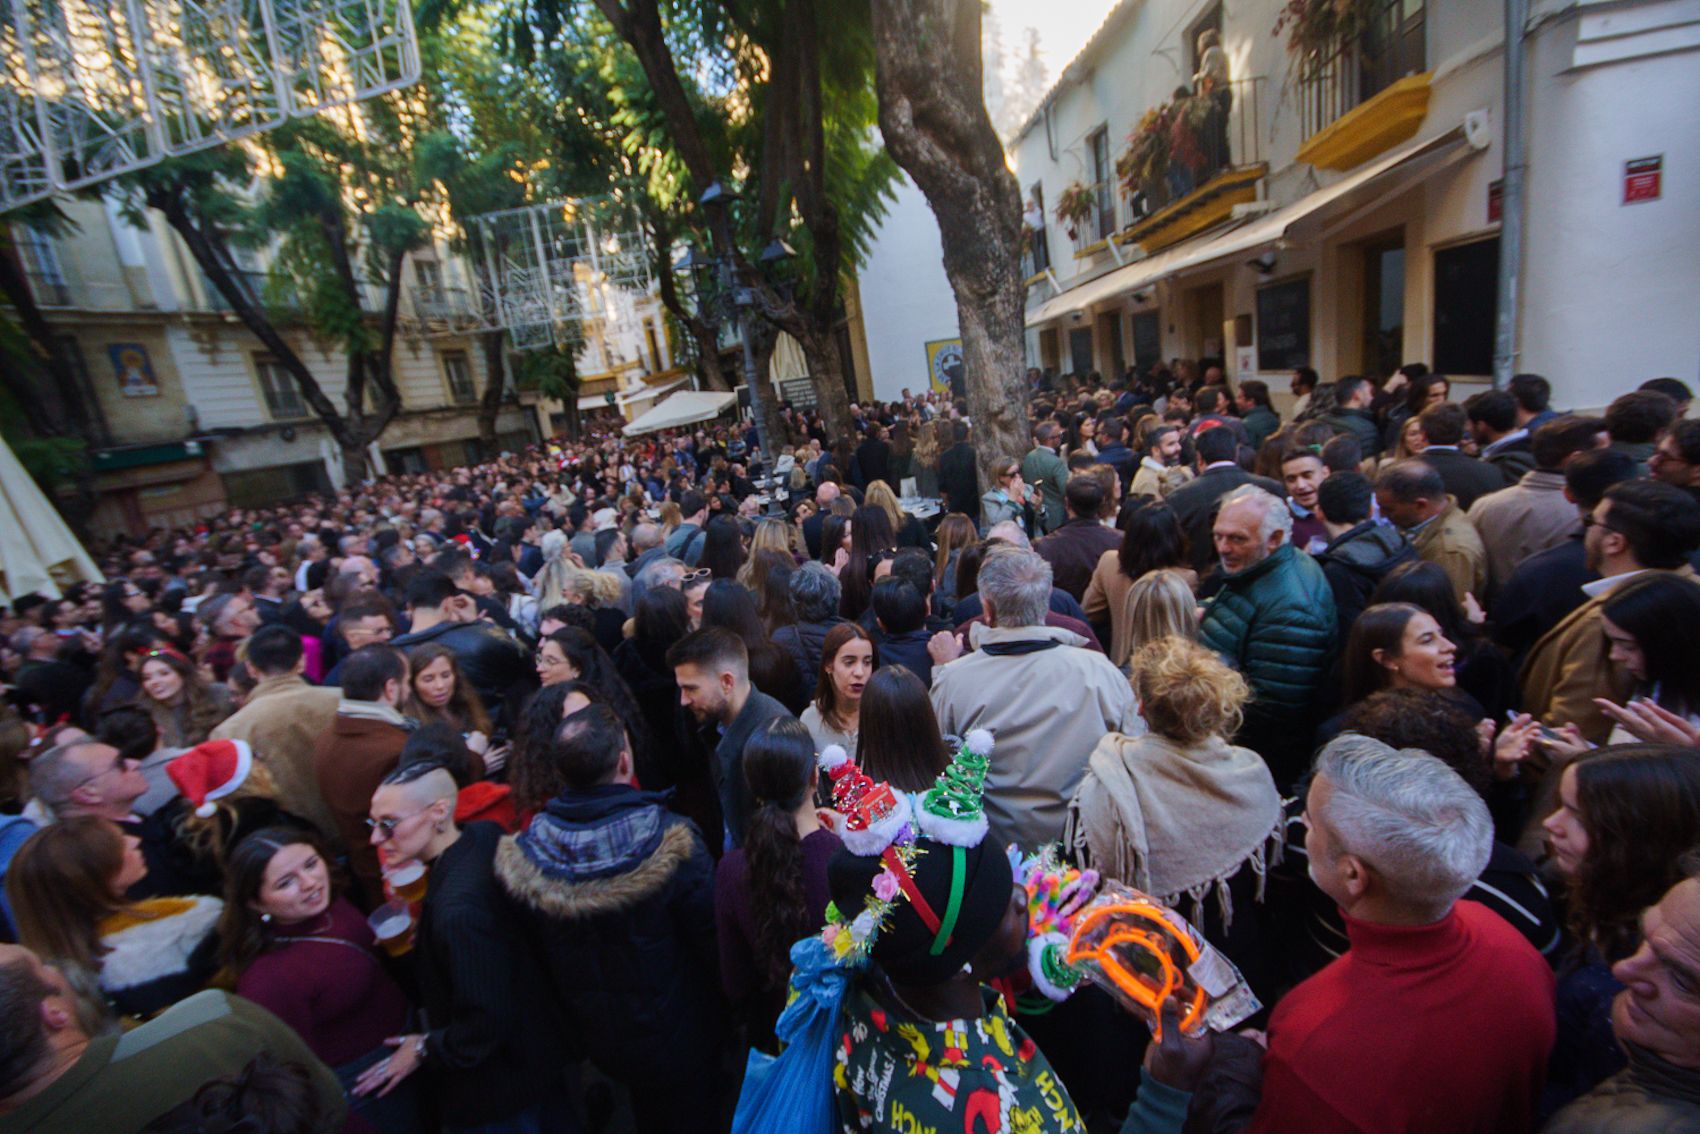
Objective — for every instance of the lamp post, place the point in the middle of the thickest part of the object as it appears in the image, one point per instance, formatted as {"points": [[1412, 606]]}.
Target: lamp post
{"points": [[737, 299]]}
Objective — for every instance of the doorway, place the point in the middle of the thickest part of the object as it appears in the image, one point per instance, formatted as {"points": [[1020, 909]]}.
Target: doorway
{"points": [[1204, 324], [1383, 315], [1080, 350], [1110, 335]]}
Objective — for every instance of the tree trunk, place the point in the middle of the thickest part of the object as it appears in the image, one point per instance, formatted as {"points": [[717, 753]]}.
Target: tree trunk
{"points": [[826, 374], [933, 117], [495, 381], [354, 461], [57, 403], [570, 402]]}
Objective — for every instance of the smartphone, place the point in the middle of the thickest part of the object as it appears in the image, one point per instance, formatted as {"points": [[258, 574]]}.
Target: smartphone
{"points": [[1544, 732]]}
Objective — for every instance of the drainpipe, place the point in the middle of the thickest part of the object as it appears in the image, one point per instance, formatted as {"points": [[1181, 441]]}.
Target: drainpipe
{"points": [[1511, 199]]}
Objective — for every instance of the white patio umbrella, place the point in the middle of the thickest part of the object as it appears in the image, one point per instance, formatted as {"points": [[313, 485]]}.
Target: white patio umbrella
{"points": [[37, 550]]}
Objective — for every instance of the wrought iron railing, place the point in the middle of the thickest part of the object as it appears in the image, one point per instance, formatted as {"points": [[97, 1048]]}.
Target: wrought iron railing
{"points": [[1392, 47], [1220, 132]]}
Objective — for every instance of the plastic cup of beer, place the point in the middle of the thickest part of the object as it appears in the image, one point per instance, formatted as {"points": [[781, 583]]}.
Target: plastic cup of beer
{"points": [[392, 925], [408, 881]]}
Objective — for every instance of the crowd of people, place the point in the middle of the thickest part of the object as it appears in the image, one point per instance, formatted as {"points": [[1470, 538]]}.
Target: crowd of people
{"points": [[495, 798]]}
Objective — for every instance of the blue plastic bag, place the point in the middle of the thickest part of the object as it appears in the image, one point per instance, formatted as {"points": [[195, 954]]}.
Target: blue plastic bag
{"points": [[792, 1093]]}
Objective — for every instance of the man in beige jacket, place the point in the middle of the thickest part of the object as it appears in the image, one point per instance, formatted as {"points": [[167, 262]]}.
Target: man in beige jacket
{"points": [[1412, 495], [283, 720]]}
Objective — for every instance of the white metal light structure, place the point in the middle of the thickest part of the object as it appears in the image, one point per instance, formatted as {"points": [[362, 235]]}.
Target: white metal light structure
{"points": [[549, 266], [90, 90]]}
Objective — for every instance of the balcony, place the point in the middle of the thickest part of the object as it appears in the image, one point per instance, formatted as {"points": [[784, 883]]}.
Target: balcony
{"points": [[447, 307], [49, 289], [281, 299], [1370, 95], [1190, 161]]}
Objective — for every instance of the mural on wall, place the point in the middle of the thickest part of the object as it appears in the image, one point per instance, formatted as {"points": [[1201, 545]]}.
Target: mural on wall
{"points": [[944, 366], [134, 371]]}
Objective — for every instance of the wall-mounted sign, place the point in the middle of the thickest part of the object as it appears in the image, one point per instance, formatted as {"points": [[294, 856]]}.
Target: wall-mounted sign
{"points": [[1641, 178], [135, 373], [944, 366], [800, 392]]}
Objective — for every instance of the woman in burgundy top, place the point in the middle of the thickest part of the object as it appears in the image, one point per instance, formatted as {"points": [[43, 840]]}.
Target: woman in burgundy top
{"points": [[295, 948], [772, 891]]}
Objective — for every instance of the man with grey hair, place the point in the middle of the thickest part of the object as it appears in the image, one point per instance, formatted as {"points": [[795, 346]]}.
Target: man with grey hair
{"points": [[661, 571], [815, 592], [82, 776], [646, 549], [1273, 620], [1046, 698], [1439, 1017]]}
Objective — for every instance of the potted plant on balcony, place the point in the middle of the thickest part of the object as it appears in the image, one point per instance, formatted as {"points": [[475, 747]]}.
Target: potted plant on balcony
{"points": [[1320, 30], [1143, 164], [1074, 206]]}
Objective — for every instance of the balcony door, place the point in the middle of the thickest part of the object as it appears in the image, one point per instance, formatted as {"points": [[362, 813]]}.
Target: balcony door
{"points": [[1384, 306]]}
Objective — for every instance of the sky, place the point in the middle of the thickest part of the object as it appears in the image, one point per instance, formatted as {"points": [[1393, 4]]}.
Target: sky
{"points": [[1064, 26]]}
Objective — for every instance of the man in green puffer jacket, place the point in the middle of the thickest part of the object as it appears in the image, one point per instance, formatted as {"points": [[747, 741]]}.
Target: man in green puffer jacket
{"points": [[1274, 621]]}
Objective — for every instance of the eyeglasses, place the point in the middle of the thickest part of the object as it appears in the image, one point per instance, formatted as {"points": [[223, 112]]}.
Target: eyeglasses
{"points": [[1594, 522], [119, 764], [385, 828], [696, 576]]}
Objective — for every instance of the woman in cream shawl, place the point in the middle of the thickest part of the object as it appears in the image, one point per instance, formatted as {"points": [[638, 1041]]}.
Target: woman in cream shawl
{"points": [[1179, 812]]}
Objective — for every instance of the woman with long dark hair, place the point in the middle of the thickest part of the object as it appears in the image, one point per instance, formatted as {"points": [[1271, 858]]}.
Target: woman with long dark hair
{"points": [[847, 661], [1424, 391], [1152, 541], [722, 547], [772, 891], [1650, 623], [1626, 816], [1482, 671], [117, 681], [582, 659], [438, 693], [641, 662], [870, 534], [292, 942], [184, 705], [955, 532], [898, 738], [728, 605]]}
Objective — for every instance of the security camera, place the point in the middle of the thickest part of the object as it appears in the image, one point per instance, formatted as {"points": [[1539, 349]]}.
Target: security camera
{"points": [[1262, 265], [1077, 316]]}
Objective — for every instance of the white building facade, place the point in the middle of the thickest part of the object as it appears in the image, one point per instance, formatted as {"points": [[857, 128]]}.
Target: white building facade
{"points": [[1349, 220]]}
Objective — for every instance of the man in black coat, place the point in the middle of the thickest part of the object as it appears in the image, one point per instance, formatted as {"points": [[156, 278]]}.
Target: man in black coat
{"points": [[492, 1052], [959, 476], [495, 664], [618, 893], [1195, 502], [1360, 552], [874, 457], [1465, 477]]}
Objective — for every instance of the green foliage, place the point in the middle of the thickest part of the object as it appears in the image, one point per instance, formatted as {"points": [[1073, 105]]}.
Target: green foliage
{"points": [[52, 461], [552, 373]]}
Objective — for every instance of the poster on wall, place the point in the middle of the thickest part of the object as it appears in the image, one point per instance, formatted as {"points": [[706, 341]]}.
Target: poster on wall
{"points": [[944, 367], [134, 371]]}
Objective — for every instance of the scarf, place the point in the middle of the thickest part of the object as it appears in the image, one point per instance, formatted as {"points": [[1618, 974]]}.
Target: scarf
{"points": [[375, 711], [1176, 821]]}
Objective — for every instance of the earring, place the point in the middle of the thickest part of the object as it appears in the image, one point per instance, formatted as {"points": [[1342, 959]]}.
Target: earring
{"points": [[266, 917]]}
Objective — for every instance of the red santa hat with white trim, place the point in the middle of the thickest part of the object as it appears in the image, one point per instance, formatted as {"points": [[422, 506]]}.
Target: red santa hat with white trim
{"points": [[208, 772]]}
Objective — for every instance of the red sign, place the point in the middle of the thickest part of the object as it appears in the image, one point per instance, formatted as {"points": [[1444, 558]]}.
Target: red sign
{"points": [[1641, 179], [1496, 200]]}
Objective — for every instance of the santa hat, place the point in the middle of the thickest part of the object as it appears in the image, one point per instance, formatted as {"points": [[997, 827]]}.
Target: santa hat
{"points": [[953, 810], [211, 771], [874, 815]]}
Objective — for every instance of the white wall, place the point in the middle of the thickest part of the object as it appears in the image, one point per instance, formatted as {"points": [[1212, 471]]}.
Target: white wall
{"points": [[906, 300]]}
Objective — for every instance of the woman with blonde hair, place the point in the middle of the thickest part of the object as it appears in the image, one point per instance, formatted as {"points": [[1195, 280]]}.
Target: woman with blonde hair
{"points": [[931, 439], [182, 702], [1179, 812], [671, 517], [910, 531], [67, 885], [770, 546]]}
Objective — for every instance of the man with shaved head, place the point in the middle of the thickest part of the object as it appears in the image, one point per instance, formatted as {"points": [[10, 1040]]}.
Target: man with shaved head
{"points": [[492, 1048]]}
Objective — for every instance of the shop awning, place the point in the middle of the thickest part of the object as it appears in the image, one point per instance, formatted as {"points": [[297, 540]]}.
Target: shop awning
{"points": [[687, 407], [1370, 186], [39, 553], [624, 398]]}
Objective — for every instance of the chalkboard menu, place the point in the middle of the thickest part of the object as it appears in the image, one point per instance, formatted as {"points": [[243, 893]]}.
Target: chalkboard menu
{"points": [[1283, 325], [800, 392], [1147, 340]]}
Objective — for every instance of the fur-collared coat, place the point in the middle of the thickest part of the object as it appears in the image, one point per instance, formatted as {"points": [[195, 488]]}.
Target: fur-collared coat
{"points": [[619, 893]]}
